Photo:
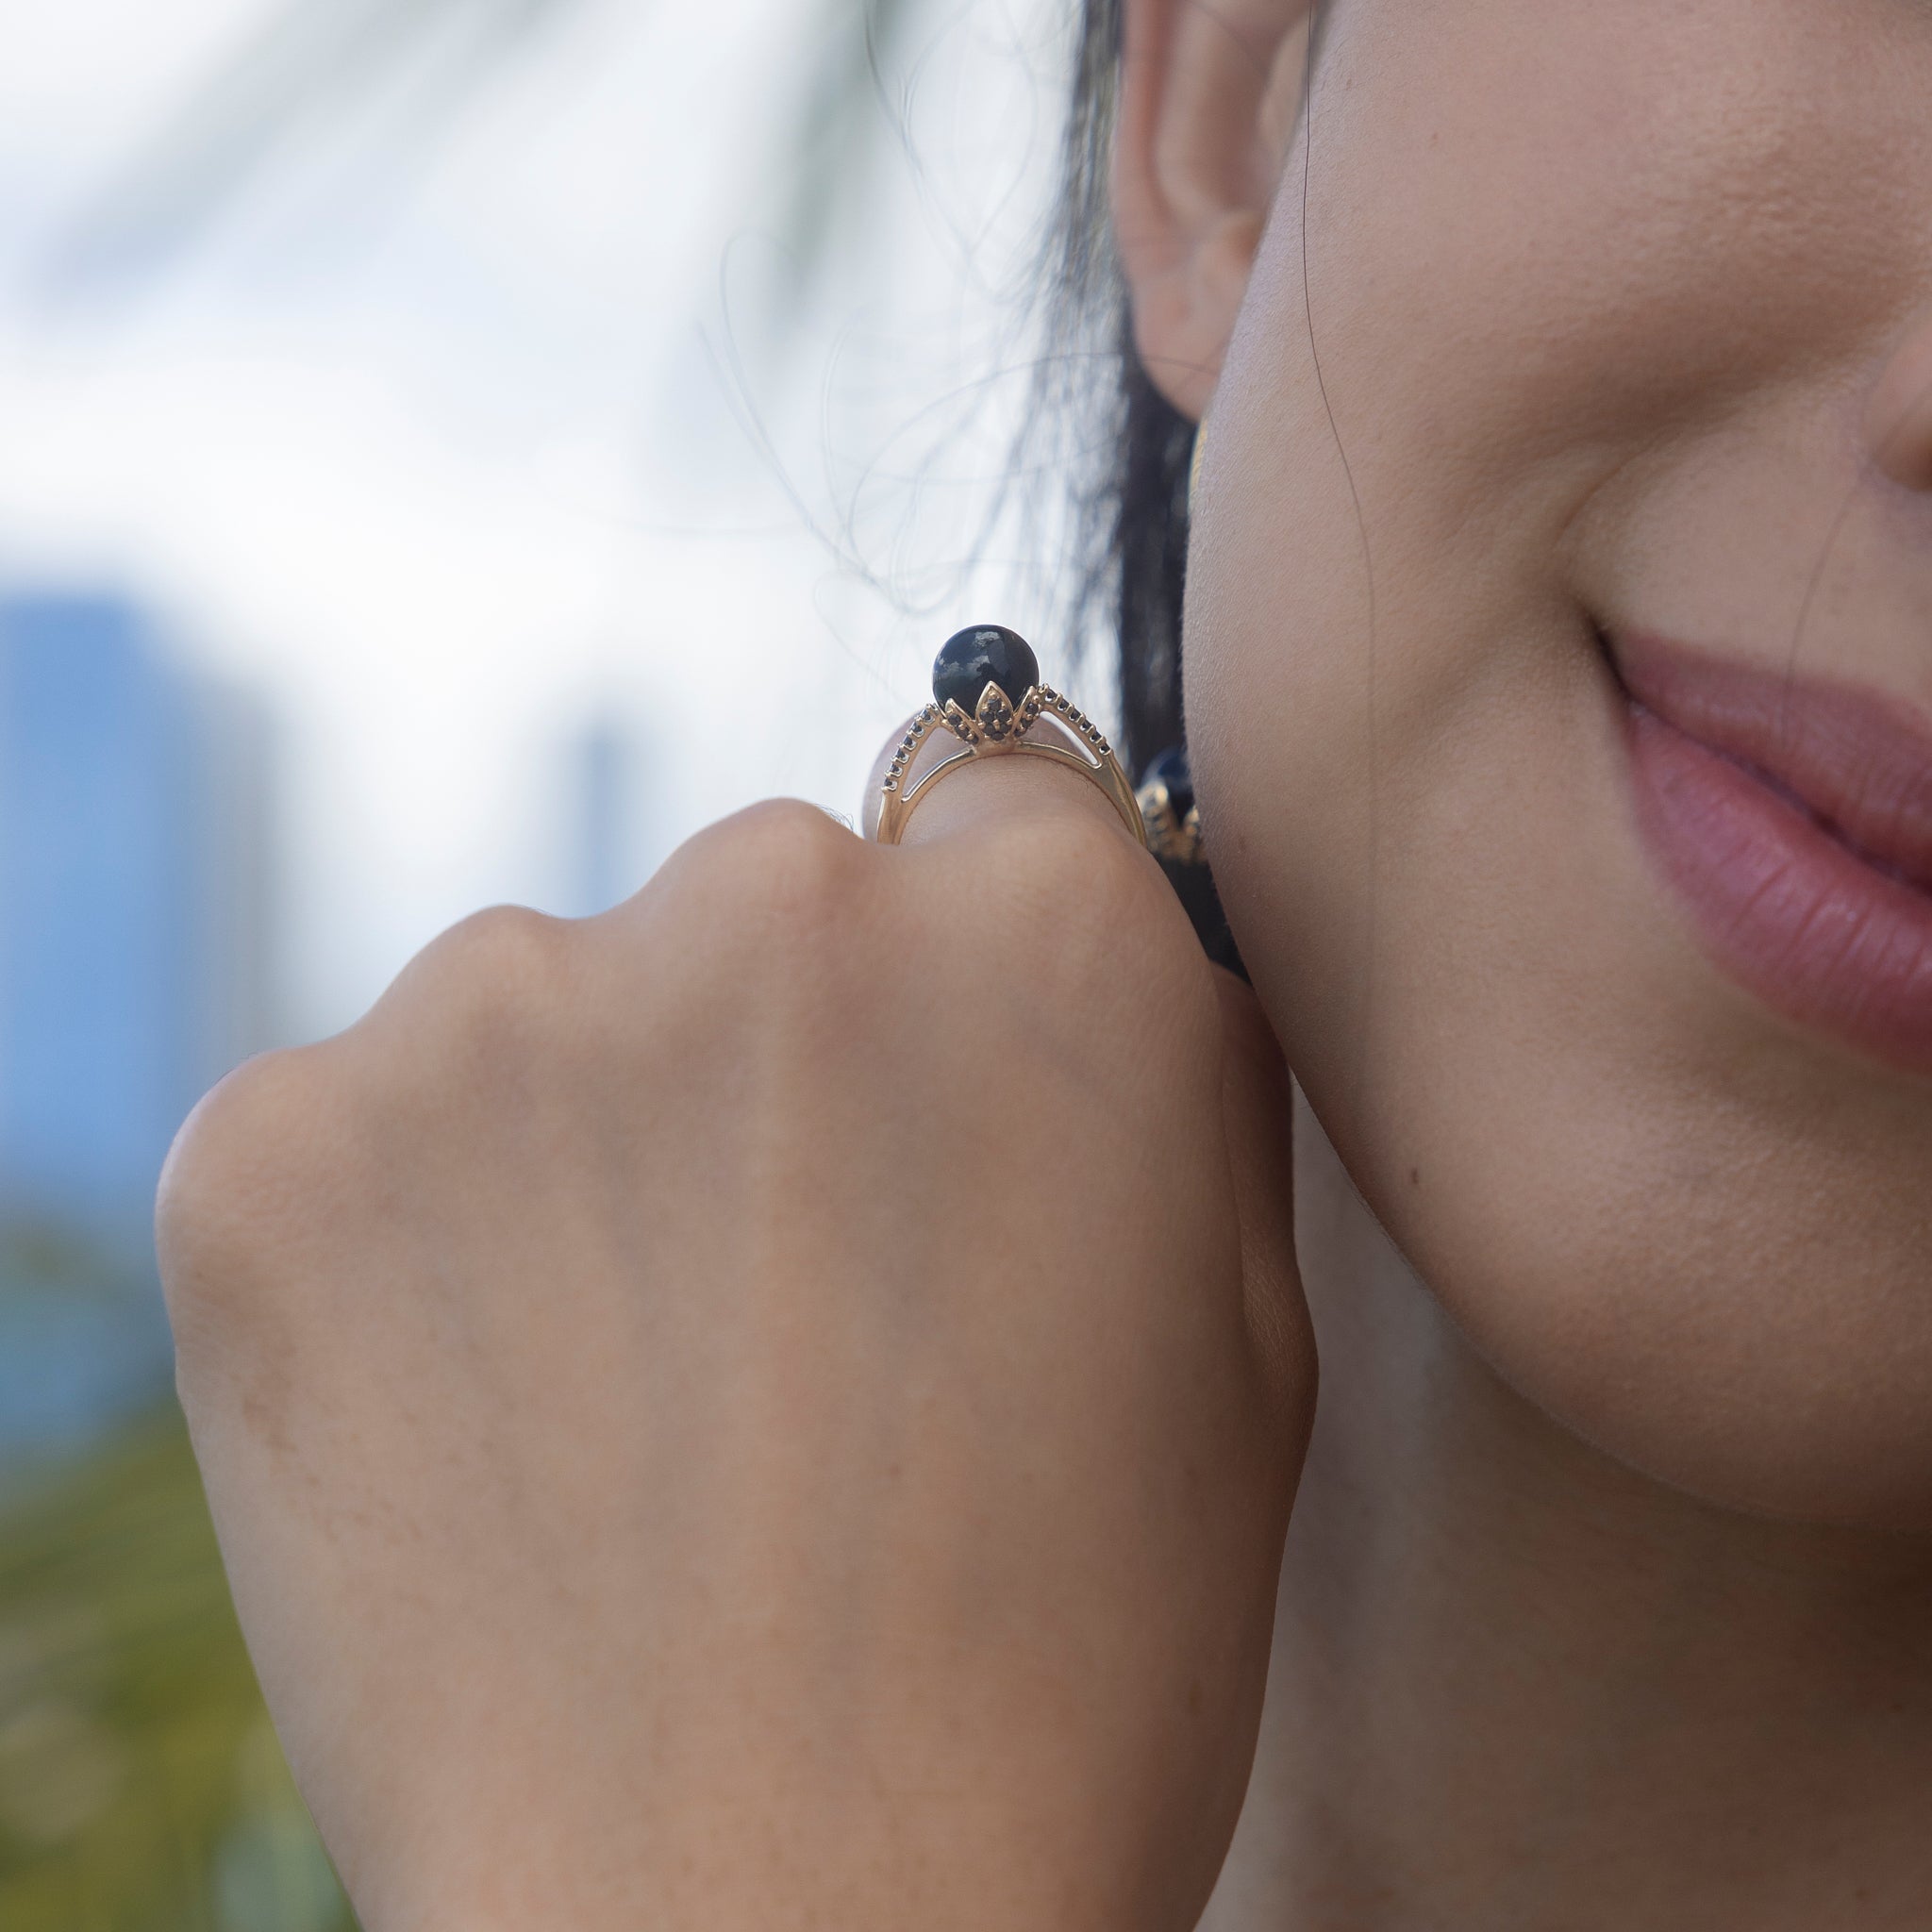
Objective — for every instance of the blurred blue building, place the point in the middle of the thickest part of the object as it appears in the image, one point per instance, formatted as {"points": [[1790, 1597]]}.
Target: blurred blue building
{"points": [[133, 927]]}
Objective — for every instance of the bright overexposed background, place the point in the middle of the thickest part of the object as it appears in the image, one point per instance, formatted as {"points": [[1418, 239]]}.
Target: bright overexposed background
{"points": [[528, 429], [647, 368]]}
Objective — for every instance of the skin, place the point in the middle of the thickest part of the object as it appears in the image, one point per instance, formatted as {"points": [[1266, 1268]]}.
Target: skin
{"points": [[708, 1422], [1606, 1601], [620, 1542], [1697, 1236]]}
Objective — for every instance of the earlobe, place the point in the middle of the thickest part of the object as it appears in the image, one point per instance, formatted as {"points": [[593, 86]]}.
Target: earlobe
{"points": [[1210, 91]]}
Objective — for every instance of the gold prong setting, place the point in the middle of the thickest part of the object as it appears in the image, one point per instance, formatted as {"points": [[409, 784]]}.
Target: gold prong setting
{"points": [[998, 725], [994, 669]]}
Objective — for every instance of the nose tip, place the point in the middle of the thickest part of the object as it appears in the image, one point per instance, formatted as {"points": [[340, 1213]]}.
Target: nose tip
{"points": [[1898, 415]]}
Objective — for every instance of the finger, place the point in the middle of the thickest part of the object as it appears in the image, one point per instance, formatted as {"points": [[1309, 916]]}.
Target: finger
{"points": [[1256, 1095], [984, 791]]}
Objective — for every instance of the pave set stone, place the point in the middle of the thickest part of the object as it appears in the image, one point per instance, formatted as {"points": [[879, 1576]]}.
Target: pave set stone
{"points": [[1081, 725], [996, 721], [909, 746], [987, 691]]}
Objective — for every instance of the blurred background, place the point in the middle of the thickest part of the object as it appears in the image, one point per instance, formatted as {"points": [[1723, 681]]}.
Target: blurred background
{"points": [[449, 451]]}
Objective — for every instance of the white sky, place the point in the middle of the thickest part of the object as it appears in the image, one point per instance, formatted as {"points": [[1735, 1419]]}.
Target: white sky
{"points": [[433, 451]]}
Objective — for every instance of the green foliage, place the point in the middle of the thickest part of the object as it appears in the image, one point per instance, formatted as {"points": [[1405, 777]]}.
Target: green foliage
{"points": [[141, 1788]]}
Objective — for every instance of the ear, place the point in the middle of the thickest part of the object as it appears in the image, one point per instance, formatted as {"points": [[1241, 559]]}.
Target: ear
{"points": [[1211, 94]]}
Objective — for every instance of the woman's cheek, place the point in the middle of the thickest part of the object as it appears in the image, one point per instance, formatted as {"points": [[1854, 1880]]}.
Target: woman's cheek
{"points": [[1539, 271]]}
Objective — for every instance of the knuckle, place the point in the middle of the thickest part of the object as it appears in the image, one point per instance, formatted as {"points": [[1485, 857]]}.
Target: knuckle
{"points": [[292, 1147], [785, 839], [1077, 880], [236, 1178], [505, 949], [784, 873], [752, 944], [494, 984]]}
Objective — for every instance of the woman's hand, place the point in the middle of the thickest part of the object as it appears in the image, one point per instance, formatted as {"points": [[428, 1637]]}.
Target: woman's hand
{"points": [[778, 1407]]}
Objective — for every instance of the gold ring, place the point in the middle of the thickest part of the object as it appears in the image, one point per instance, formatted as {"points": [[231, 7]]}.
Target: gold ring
{"points": [[986, 692]]}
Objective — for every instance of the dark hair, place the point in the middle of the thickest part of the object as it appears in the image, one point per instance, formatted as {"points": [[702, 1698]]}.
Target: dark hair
{"points": [[1131, 489], [1130, 486]]}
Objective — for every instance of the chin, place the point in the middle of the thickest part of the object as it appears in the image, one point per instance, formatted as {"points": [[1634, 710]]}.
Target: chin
{"points": [[1673, 1269]]}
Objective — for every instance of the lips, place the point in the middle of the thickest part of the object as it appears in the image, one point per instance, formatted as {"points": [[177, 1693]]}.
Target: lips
{"points": [[1793, 820]]}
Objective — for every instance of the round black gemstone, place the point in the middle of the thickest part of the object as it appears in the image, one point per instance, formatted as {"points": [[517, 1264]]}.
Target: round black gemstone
{"points": [[969, 660], [1170, 769]]}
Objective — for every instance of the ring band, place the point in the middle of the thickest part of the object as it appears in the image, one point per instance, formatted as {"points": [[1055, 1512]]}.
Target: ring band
{"points": [[983, 666]]}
